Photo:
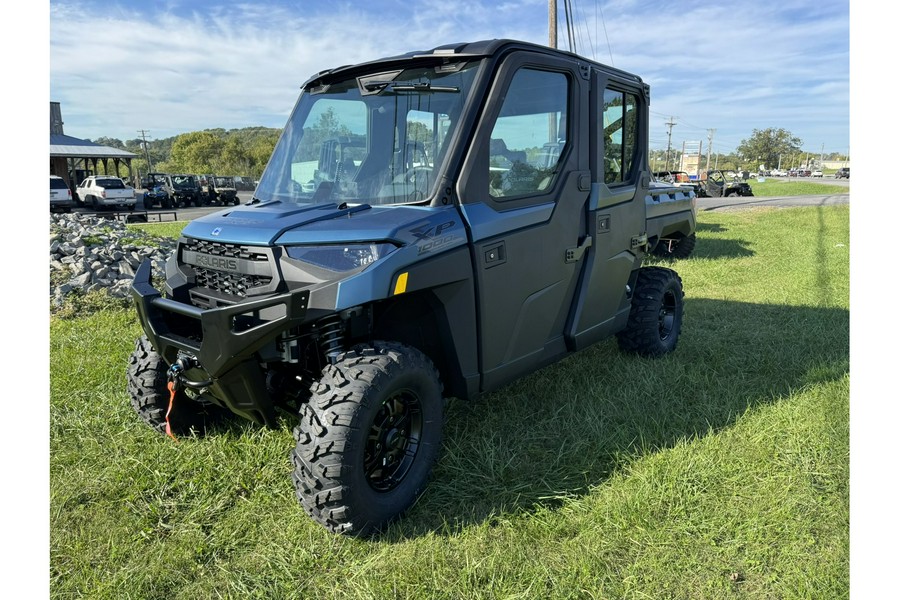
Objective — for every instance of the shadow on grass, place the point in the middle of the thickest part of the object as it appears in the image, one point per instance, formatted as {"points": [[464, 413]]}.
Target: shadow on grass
{"points": [[718, 248], [710, 248], [568, 427], [710, 228]]}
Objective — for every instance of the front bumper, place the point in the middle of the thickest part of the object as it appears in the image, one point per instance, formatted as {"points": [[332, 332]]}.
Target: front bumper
{"points": [[223, 340]]}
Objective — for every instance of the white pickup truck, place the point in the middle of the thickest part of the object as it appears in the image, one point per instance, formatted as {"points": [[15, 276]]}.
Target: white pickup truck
{"points": [[100, 191]]}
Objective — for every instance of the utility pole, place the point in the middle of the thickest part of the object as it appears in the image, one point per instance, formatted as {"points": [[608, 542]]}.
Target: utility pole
{"points": [[553, 23], [146, 150], [553, 133], [670, 123], [709, 138]]}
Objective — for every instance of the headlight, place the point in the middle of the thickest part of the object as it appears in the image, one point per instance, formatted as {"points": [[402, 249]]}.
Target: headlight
{"points": [[341, 257]]}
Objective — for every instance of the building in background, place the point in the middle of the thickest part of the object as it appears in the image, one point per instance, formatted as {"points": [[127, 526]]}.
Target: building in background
{"points": [[74, 159]]}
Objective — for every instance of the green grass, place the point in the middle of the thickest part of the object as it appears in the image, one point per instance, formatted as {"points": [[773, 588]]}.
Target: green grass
{"points": [[720, 471], [779, 187], [170, 229]]}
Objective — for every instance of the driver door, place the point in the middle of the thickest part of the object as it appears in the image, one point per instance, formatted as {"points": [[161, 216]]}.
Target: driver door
{"points": [[525, 212]]}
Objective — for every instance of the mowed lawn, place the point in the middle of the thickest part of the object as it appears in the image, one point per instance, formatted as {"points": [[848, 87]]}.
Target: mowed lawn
{"points": [[720, 471], [795, 187]]}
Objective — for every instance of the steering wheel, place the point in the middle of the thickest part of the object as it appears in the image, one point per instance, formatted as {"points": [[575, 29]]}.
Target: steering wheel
{"points": [[413, 174]]}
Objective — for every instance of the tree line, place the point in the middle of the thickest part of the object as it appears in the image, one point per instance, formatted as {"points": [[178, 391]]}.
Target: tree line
{"points": [[246, 151], [242, 152], [772, 147]]}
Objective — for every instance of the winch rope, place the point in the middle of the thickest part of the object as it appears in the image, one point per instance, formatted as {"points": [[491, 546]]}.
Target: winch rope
{"points": [[172, 390]]}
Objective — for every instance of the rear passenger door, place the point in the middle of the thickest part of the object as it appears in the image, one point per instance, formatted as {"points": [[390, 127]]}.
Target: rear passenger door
{"points": [[616, 212]]}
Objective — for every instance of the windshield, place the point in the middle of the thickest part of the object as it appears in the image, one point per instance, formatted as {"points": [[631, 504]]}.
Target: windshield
{"points": [[224, 182], [184, 182], [376, 139]]}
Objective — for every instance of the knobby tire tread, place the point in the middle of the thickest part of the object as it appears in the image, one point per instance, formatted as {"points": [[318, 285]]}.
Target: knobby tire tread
{"points": [[327, 437], [641, 334]]}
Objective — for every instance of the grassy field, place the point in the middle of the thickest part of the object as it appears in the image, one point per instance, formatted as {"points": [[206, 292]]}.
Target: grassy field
{"points": [[720, 471], [794, 187]]}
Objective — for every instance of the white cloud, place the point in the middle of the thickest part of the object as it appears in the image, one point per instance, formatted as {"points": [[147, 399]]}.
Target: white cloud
{"points": [[720, 66]]}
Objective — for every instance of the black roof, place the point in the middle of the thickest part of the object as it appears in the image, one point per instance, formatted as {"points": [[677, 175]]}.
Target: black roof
{"points": [[477, 49]]}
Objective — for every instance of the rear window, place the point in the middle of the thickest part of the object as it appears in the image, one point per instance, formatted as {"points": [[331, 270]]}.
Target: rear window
{"points": [[111, 184], [57, 184]]}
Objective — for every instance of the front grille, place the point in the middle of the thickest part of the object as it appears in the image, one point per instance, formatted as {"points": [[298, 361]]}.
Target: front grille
{"points": [[227, 250], [231, 282]]}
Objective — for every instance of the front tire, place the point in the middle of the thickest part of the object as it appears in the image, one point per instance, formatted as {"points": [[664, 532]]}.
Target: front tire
{"points": [[368, 437], [657, 306], [147, 385]]}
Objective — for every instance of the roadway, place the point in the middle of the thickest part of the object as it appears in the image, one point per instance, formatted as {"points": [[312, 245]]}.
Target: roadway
{"points": [[840, 196], [731, 203], [745, 202]]}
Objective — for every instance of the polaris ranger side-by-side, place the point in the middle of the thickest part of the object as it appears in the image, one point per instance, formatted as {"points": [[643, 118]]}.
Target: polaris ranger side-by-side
{"points": [[412, 239]]}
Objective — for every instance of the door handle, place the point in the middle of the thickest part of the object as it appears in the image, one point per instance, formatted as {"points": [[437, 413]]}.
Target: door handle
{"points": [[574, 254]]}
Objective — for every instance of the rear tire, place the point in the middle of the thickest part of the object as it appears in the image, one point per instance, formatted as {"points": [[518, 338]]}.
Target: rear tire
{"points": [[676, 249], [657, 306], [147, 385], [368, 437]]}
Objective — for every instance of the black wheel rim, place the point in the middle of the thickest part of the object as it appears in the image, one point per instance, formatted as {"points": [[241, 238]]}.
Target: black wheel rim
{"points": [[667, 313], [393, 441]]}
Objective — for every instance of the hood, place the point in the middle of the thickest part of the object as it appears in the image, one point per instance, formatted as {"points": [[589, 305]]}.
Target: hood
{"points": [[275, 223]]}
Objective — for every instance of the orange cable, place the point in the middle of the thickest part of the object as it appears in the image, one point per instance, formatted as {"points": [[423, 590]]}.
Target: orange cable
{"points": [[171, 386]]}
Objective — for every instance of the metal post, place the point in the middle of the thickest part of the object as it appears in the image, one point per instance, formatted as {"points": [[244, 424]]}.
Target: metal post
{"points": [[553, 23]]}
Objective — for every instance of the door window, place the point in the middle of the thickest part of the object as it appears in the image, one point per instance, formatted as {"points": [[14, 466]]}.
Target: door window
{"points": [[529, 135], [619, 135]]}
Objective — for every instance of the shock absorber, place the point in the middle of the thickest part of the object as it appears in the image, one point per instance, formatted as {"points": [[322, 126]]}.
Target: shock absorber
{"points": [[331, 337]]}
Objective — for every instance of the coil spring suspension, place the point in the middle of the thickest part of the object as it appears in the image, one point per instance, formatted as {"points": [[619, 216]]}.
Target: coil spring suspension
{"points": [[331, 337]]}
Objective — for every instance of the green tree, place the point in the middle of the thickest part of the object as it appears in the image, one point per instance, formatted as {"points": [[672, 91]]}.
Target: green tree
{"points": [[328, 126], [110, 142], [235, 157], [766, 146], [197, 152], [260, 152]]}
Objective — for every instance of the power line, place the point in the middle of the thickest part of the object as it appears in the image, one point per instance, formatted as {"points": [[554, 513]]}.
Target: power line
{"points": [[608, 46], [587, 31], [570, 25]]}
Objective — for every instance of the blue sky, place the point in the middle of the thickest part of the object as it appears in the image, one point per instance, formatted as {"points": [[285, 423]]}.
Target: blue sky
{"points": [[178, 66]]}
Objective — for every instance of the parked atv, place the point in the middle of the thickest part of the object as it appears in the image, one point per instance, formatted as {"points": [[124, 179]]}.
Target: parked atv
{"points": [[718, 184], [157, 196], [183, 190], [414, 253], [218, 190]]}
